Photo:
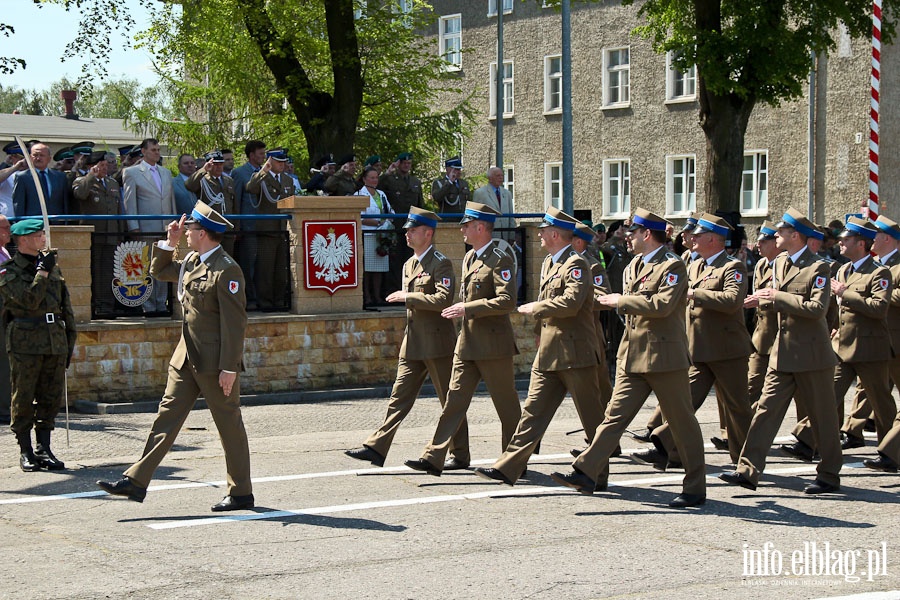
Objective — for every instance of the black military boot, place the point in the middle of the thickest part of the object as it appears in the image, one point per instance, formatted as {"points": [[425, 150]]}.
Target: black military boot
{"points": [[27, 460], [43, 454]]}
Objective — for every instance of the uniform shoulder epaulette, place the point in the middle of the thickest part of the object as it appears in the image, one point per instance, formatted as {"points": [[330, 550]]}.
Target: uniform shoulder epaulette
{"points": [[573, 253], [673, 256], [439, 256], [500, 253], [730, 257], [228, 260]]}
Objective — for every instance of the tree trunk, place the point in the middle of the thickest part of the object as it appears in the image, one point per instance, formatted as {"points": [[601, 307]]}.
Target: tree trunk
{"points": [[724, 121]]}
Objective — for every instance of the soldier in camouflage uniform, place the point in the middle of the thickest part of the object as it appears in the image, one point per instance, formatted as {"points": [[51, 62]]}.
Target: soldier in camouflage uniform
{"points": [[40, 341]]}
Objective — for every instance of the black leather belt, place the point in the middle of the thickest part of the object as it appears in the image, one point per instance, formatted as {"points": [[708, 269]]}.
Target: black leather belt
{"points": [[47, 318]]}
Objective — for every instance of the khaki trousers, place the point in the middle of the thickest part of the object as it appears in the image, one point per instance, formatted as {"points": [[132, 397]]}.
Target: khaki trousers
{"points": [[672, 389], [182, 389], [499, 378], [862, 410], [890, 445], [410, 377]]}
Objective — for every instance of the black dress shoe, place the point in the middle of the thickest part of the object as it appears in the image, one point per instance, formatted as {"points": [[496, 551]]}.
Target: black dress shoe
{"points": [[798, 450], [575, 480], [651, 456], [820, 487], [687, 500], [869, 426], [492, 474], [454, 464], [420, 464], [737, 478], [642, 437], [882, 463], [234, 503], [367, 454], [124, 487], [47, 460], [719, 443], [849, 442]]}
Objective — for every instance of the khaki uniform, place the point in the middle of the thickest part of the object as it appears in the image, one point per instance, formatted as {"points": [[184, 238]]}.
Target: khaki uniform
{"points": [[566, 360], [484, 351], [212, 340], [341, 184], [40, 339], [271, 249], [763, 335], [801, 366], [99, 196], [862, 343], [719, 345], [653, 357], [862, 408], [601, 288], [402, 191], [427, 347]]}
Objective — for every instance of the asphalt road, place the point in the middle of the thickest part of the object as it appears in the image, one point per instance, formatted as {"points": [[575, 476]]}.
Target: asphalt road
{"points": [[327, 526]]}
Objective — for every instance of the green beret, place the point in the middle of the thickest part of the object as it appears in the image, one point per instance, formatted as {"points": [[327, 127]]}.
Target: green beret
{"points": [[27, 226], [404, 156]]}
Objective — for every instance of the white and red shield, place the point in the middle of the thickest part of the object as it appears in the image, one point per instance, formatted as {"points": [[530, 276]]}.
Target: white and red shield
{"points": [[820, 282], [329, 252], [883, 283], [671, 278], [234, 286], [506, 274], [738, 276], [576, 273], [598, 279], [445, 281]]}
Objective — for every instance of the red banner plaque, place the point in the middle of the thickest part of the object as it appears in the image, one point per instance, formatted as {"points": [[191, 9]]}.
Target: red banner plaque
{"points": [[329, 248]]}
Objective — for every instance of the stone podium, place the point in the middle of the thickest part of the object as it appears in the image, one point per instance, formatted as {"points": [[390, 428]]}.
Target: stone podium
{"points": [[324, 209]]}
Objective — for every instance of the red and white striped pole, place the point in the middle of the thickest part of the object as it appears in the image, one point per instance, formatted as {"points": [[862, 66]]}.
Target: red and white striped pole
{"points": [[873, 111]]}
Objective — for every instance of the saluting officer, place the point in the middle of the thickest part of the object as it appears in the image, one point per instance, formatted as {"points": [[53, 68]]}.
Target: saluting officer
{"points": [[567, 354], [862, 341], [653, 357], [486, 344], [886, 244], [98, 194], [718, 339], [207, 360], [429, 283], [802, 361], [40, 339]]}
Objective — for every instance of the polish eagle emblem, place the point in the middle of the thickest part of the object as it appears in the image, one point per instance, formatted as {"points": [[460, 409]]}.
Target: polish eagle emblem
{"points": [[331, 254]]}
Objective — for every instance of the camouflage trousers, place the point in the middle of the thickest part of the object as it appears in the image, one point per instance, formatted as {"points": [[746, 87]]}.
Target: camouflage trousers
{"points": [[38, 382]]}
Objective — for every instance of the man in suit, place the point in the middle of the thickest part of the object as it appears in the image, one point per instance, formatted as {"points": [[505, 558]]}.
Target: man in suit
{"points": [[567, 355], [496, 196], [485, 347], [270, 185], [208, 357], [802, 361], [53, 183], [248, 204], [886, 245], [718, 340], [213, 187], [451, 192], [427, 349], [184, 198], [148, 191], [862, 340], [653, 357]]}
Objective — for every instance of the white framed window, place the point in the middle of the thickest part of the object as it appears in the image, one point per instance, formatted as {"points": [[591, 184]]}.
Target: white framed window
{"points": [[616, 77], [404, 7], [755, 183], [509, 179], [508, 89], [616, 187], [681, 86], [553, 185], [492, 7], [553, 84], [681, 185], [450, 41]]}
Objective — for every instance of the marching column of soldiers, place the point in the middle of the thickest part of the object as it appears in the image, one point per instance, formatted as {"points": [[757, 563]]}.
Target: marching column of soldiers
{"points": [[821, 324]]}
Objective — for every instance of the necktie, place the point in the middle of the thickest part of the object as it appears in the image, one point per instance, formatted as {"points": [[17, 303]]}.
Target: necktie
{"points": [[45, 185], [499, 206], [154, 171]]}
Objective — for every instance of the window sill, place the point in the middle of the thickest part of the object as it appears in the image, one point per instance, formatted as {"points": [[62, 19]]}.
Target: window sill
{"points": [[618, 106], [682, 100], [755, 213], [505, 116], [555, 111]]}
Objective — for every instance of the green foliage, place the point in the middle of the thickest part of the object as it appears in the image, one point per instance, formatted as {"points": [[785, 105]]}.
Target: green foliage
{"points": [[8, 64], [752, 50]]}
